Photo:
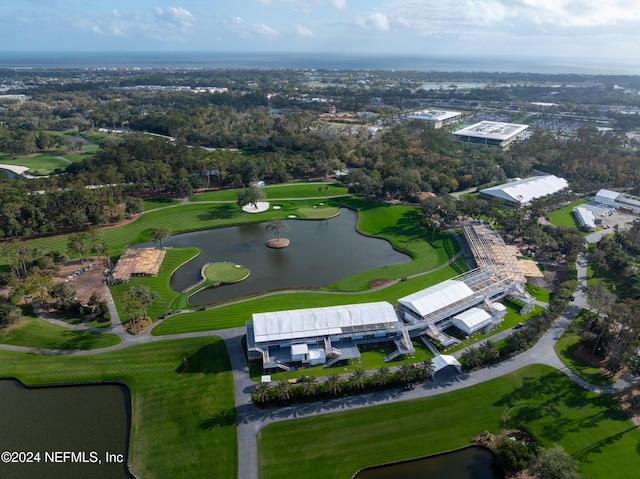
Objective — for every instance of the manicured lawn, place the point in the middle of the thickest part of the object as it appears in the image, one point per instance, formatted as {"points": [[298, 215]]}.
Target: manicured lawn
{"points": [[225, 272], [174, 258], [539, 293], [566, 347], [41, 164], [299, 190], [33, 332], [183, 422], [234, 315], [591, 428], [155, 203], [564, 216]]}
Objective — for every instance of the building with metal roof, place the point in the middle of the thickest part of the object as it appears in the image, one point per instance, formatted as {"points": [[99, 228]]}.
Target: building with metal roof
{"points": [[323, 335], [435, 118], [585, 218], [618, 200], [492, 133], [522, 192]]}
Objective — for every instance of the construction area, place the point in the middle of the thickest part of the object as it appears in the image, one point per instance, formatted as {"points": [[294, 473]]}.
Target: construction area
{"points": [[136, 262]]}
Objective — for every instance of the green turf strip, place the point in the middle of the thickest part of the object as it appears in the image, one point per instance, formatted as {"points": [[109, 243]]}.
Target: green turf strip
{"points": [[591, 428], [183, 423]]}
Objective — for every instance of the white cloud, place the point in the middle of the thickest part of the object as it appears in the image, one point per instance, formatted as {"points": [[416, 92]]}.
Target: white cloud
{"points": [[175, 17], [167, 24], [303, 31], [246, 29], [341, 4], [373, 21]]}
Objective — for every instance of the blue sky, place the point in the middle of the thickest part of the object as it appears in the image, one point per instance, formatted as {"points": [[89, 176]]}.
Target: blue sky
{"points": [[564, 28]]}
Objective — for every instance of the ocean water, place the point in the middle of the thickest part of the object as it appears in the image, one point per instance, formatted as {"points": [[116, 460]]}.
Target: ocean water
{"points": [[297, 60]]}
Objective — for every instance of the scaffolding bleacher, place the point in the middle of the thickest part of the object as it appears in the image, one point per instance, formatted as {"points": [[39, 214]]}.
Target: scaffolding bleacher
{"points": [[137, 262]]}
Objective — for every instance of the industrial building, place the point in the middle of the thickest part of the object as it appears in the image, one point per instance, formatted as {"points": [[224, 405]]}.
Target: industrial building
{"points": [[585, 218], [492, 133], [522, 192], [618, 200], [435, 118]]}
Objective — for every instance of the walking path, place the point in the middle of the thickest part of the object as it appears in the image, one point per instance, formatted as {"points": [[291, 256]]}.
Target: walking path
{"points": [[251, 419]]}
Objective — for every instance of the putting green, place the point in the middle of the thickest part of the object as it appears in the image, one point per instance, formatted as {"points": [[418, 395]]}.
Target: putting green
{"points": [[225, 272]]}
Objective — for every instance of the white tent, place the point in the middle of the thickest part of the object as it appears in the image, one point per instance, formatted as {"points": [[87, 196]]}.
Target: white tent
{"points": [[436, 297], [443, 360], [524, 191], [471, 320]]}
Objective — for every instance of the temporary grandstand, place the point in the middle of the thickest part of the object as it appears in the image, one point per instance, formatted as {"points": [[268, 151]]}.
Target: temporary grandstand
{"points": [[522, 192], [326, 335], [618, 200], [585, 218], [492, 133], [137, 262]]}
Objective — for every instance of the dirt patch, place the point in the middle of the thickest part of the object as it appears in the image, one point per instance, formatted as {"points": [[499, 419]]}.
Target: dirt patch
{"points": [[86, 282], [380, 282]]}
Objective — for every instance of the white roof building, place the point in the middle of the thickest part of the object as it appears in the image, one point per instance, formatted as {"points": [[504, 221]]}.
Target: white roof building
{"points": [[472, 320], [434, 118], [319, 322], [618, 200], [522, 192], [441, 361], [585, 218], [437, 297], [491, 133]]}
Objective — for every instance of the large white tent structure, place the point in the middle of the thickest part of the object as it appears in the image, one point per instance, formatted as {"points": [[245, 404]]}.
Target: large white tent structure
{"points": [[522, 192], [472, 320], [323, 335]]}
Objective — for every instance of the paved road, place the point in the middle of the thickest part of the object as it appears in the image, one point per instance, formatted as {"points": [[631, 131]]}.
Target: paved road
{"points": [[251, 419]]}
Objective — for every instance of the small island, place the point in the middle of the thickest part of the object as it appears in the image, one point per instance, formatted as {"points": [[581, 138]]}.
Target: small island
{"points": [[277, 226], [224, 272]]}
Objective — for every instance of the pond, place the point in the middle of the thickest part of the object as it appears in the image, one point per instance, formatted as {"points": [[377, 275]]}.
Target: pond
{"points": [[321, 252], [71, 428], [474, 462]]}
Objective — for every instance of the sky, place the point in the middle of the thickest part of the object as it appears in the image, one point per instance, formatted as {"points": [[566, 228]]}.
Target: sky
{"points": [[538, 28]]}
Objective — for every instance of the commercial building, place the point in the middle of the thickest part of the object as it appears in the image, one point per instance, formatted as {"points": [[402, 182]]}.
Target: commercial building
{"points": [[435, 118], [492, 133], [286, 339], [618, 200], [585, 218], [522, 192]]}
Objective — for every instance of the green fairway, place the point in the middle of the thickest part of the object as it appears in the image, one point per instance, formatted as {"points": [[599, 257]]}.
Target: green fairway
{"points": [[183, 421], [33, 332], [289, 190], [564, 216], [592, 428]]}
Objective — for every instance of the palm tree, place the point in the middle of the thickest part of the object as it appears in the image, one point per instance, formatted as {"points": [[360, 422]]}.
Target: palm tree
{"points": [[358, 378], [283, 390], [406, 373], [489, 350], [308, 385], [261, 393], [333, 384], [426, 368], [382, 376], [472, 358]]}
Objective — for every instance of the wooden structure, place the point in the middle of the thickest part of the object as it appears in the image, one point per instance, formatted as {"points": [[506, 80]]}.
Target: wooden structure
{"points": [[139, 262]]}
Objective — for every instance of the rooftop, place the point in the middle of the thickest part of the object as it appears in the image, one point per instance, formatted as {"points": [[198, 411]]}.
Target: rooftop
{"points": [[523, 191], [494, 130], [434, 115]]}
